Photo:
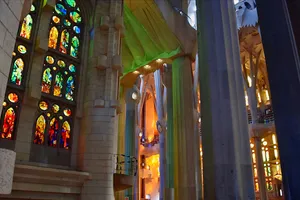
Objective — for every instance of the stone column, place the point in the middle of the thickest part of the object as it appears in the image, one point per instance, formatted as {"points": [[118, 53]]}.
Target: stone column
{"points": [[161, 129], [98, 136], [169, 184], [132, 98], [225, 138], [260, 169], [7, 166], [283, 66], [183, 127]]}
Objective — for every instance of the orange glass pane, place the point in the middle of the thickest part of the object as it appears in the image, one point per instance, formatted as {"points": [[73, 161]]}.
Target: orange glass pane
{"points": [[26, 27], [8, 124], [40, 127], [13, 97], [53, 35]]}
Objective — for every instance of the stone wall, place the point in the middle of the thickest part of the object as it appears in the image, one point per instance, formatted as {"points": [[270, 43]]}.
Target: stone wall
{"points": [[10, 11]]}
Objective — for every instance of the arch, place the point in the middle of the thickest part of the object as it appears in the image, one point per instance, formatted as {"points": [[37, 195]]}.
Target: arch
{"points": [[40, 127], [58, 86], [74, 47], [53, 36], [47, 80], [17, 72], [8, 124], [26, 27], [65, 135], [64, 41], [70, 87], [53, 132]]}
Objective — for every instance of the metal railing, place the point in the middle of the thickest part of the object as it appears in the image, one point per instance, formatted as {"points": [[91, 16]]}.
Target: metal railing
{"points": [[126, 165], [263, 118]]}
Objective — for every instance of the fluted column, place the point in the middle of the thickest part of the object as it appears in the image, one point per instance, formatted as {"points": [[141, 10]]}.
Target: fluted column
{"points": [[225, 138], [132, 97], [161, 129], [183, 127], [169, 184]]}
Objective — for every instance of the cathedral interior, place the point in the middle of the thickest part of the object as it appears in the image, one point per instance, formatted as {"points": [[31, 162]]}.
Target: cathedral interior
{"points": [[149, 100]]}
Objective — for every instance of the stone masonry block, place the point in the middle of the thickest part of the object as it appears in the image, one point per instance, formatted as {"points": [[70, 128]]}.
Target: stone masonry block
{"points": [[99, 103]]}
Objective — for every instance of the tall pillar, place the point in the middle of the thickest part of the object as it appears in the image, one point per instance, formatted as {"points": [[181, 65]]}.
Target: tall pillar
{"points": [[169, 184], [283, 66], [183, 127], [226, 151], [260, 169], [98, 134], [161, 129], [132, 96]]}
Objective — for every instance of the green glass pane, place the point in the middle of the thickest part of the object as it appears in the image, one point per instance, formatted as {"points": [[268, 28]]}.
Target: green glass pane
{"points": [[67, 22], [32, 8], [60, 9], [75, 16], [72, 68], [71, 3], [46, 82], [64, 41], [58, 85], [74, 47], [17, 72], [70, 87]]}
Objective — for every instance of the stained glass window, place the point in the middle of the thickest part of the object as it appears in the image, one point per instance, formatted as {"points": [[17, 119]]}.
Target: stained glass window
{"points": [[53, 125], [9, 115], [17, 77], [59, 78], [66, 25]]}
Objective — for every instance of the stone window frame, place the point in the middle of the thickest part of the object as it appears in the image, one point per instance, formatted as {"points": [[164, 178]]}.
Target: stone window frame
{"points": [[56, 155]]}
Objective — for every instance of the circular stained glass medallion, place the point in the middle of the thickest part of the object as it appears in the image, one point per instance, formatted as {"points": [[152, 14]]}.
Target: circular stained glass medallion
{"points": [[61, 63], [55, 108], [13, 97], [72, 68], [67, 112], [56, 19], [22, 49], [50, 60], [43, 105], [75, 16], [76, 29]]}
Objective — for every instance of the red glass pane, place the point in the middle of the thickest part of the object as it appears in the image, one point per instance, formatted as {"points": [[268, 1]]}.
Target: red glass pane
{"points": [[53, 132], [65, 135], [8, 124]]}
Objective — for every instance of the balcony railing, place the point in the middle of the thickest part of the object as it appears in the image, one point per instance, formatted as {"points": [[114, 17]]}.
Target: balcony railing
{"points": [[263, 118], [126, 165]]}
